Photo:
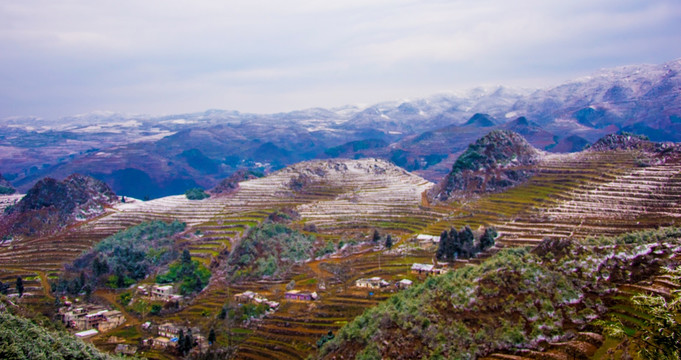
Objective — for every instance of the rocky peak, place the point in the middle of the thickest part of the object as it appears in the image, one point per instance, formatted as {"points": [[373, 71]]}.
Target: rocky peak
{"points": [[496, 161], [50, 205], [623, 141]]}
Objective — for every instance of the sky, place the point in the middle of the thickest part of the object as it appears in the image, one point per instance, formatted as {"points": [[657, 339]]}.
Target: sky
{"points": [[60, 58]]}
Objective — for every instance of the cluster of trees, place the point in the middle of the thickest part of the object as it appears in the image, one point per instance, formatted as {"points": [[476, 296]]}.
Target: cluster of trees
{"points": [[123, 258], [376, 238], [19, 286], [269, 250], [462, 244], [196, 194], [185, 342], [191, 274]]}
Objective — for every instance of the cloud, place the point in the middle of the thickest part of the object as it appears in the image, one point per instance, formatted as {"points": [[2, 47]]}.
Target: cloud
{"points": [[272, 55]]}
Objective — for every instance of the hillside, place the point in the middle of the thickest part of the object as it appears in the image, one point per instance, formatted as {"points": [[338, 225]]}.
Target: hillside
{"points": [[51, 205], [547, 296], [23, 339], [498, 160], [324, 212]]}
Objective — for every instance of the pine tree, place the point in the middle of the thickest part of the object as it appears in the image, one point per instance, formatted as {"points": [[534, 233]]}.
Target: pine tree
{"points": [[181, 343], [441, 253], [20, 286], [211, 336], [186, 257], [453, 249], [389, 242], [466, 238], [376, 236], [487, 238]]}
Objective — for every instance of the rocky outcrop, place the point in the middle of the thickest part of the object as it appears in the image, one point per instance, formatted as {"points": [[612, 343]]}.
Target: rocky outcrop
{"points": [[51, 205], [231, 184], [499, 160]]}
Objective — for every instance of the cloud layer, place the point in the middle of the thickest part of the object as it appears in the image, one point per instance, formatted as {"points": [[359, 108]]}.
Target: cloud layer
{"points": [[67, 57]]}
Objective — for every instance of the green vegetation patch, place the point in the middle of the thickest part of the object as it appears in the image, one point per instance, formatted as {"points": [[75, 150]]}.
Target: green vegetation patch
{"points": [[515, 299], [269, 250], [196, 194], [191, 274], [123, 258], [22, 339]]}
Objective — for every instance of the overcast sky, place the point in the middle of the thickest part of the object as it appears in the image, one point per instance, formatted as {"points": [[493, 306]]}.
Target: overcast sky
{"points": [[69, 57]]}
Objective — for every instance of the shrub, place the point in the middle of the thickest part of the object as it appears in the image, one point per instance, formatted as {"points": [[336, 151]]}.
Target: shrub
{"points": [[196, 194]]}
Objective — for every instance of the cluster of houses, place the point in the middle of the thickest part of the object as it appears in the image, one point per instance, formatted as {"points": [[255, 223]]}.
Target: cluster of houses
{"points": [[255, 298], [427, 269], [159, 292], [378, 283], [297, 295], [91, 319], [168, 335]]}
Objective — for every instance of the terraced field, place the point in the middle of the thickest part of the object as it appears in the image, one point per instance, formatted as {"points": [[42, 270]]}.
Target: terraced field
{"points": [[573, 195]]}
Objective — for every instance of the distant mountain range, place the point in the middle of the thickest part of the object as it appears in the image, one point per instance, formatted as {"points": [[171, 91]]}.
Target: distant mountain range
{"points": [[152, 156]]}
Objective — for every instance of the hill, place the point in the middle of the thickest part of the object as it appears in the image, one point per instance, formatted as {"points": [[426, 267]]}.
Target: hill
{"points": [[51, 205], [514, 300], [496, 161]]}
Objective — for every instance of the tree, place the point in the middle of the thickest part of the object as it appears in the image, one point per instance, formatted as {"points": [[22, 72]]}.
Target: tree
{"points": [[4, 288], [181, 343], [466, 238], [389, 242], [186, 257], [155, 309], [487, 238], [376, 236], [441, 252], [20, 286], [88, 292], [211, 336]]}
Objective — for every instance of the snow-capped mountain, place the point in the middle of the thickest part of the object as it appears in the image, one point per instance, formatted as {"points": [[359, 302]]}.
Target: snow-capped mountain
{"points": [[171, 152]]}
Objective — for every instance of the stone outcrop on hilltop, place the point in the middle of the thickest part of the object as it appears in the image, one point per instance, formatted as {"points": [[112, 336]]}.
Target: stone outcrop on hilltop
{"points": [[51, 205], [231, 184], [5, 187], [498, 160], [627, 141]]}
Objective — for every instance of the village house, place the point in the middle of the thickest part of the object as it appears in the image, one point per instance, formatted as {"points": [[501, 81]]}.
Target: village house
{"points": [[371, 283], [87, 333], [403, 284], [417, 268], [244, 297], [161, 342], [168, 330], [125, 349], [297, 295], [427, 269], [253, 297], [164, 293], [91, 317], [113, 319], [431, 238]]}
